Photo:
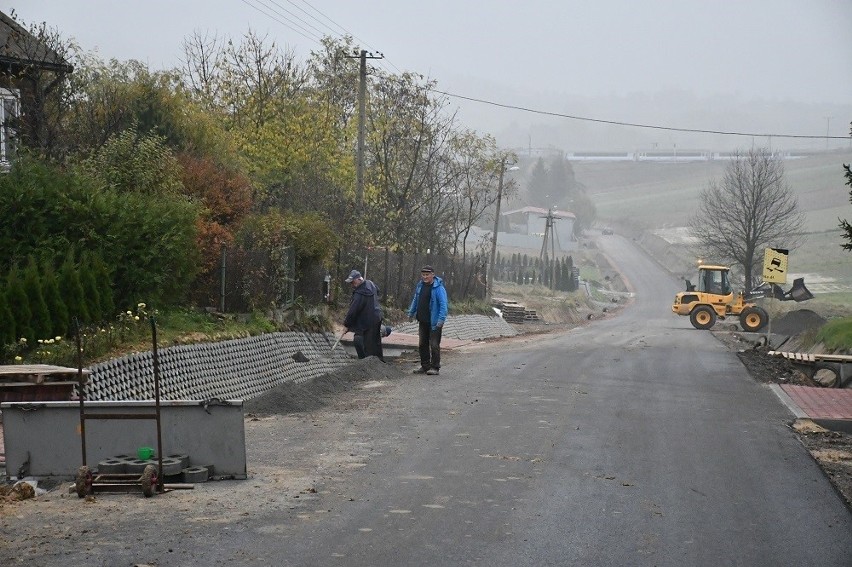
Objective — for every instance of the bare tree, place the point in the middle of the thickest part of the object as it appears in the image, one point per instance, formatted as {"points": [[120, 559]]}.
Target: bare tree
{"points": [[257, 79], [202, 67], [844, 224], [408, 134], [750, 209]]}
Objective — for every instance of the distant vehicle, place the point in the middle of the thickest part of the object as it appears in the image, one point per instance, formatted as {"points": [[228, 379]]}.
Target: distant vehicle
{"points": [[606, 231]]}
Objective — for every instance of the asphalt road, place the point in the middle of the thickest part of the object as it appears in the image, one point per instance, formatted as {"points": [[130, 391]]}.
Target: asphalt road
{"points": [[635, 440]]}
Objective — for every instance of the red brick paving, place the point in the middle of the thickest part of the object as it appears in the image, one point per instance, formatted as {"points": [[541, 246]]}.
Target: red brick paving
{"points": [[821, 403]]}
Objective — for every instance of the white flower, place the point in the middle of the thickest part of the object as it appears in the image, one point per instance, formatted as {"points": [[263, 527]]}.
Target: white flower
{"points": [[58, 338], [18, 359]]}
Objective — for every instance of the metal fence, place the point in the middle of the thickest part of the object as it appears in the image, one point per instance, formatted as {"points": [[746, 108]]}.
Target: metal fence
{"points": [[251, 279], [397, 273]]}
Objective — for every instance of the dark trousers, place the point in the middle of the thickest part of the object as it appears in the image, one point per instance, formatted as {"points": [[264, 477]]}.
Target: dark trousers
{"points": [[359, 343], [373, 342], [429, 346]]}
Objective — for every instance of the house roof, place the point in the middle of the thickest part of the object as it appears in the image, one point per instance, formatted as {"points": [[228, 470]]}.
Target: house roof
{"points": [[19, 48], [542, 212]]}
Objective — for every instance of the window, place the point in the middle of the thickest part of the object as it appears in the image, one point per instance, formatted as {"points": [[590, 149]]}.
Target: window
{"points": [[715, 281], [9, 112]]}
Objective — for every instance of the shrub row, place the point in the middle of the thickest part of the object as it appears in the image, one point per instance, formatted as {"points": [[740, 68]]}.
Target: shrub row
{"points": [[41, 301], [522, 269]]}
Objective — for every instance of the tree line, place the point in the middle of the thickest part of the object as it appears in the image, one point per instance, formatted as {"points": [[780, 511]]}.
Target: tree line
{"points": [[151, 175]]}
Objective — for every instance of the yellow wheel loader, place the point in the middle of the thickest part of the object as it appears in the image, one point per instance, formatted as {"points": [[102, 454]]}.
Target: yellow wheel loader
{"points": [[714, 299]]}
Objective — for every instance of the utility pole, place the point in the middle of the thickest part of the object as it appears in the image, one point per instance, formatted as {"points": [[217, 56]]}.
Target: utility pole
{"points": [[362, 117], [552, 251], [549, 233], [489, 276]]}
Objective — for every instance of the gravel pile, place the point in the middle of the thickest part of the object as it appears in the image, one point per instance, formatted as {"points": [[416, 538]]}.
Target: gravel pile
{"points": [[314, 393], [796, 322]]}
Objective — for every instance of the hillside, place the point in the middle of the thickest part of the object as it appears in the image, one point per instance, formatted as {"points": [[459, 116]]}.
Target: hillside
{"points": [[658, 195]]}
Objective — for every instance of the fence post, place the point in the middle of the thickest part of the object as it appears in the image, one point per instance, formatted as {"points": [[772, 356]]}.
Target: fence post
{"points": [[222, 287]]}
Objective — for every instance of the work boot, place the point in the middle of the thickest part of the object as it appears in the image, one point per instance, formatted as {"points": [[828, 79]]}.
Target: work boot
{"points": [[421, 370], [432, 372]]}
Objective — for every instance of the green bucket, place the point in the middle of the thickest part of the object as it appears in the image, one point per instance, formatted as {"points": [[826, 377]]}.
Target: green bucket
{"points": [[144, 453]]}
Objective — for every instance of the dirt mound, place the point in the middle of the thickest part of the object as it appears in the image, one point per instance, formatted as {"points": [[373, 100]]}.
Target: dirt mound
{"points": [[315, 393], [796, 322], [772, 369]]}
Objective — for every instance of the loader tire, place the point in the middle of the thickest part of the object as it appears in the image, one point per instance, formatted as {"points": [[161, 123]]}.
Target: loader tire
{"points": [[702, 317], [753, 319]]}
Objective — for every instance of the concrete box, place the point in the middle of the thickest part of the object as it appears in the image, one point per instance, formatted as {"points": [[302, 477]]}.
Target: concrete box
{"points": [[43, 439]]}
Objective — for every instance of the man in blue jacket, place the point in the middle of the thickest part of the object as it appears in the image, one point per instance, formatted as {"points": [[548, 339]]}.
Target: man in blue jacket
{"points": [[429, 307]]}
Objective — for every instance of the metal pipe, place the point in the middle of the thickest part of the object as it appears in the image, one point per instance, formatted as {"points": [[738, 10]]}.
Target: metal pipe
{"points": [[157, 405]]}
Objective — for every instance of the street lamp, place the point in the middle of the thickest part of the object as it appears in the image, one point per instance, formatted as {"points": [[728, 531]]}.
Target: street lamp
{"points": [[489, 275]]}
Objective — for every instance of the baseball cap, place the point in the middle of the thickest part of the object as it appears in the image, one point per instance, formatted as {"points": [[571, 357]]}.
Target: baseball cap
{"points": [[427, 268], [353, 275]]}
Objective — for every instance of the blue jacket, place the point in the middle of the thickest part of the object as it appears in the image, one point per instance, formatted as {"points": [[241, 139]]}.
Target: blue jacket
{"points": [[438, 304]]}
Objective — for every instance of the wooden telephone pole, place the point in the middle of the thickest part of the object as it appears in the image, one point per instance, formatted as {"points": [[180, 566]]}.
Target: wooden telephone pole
{"points": [[362, 117], [489, 275], [549, 233]]}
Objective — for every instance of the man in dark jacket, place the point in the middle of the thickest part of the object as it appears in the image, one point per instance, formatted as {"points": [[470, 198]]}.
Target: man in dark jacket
{"points": [[364, 316], [430, 307]]}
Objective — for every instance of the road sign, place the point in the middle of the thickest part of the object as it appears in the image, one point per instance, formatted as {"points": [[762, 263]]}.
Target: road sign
{"points": [[775, 265]]}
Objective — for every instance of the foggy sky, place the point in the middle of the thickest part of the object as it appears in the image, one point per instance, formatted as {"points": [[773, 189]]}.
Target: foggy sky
{"points": [[682, 63]]}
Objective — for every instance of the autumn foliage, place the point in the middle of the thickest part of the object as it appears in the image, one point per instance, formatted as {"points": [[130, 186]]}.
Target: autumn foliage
{"points": [[226, 197]]}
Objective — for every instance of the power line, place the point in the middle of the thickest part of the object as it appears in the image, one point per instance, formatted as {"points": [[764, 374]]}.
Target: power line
{"points": [[341, 28], [298, 18], [344, 30], [504, 105], [291, 25], [632, 124]]}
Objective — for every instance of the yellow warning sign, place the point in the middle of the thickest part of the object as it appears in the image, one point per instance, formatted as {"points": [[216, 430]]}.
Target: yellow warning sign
{"points": [[775, 265]]}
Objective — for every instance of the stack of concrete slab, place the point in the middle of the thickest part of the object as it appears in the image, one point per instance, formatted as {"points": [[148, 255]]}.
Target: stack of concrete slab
{"points": [[512, 311], [176, 468]]}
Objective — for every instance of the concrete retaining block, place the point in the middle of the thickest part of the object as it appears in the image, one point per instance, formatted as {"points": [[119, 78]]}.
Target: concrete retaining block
{"points": [[112, 466], [195, 474]]}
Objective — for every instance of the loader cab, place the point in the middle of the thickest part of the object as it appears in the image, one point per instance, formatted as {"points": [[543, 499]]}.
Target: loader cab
{"points": [[714, 279]]}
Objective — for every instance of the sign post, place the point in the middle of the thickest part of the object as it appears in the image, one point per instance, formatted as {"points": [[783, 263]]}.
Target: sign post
{"points": [[774, 272]]}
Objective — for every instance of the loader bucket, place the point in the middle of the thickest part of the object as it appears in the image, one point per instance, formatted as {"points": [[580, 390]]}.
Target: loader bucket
{"points": [[799, 292]]}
